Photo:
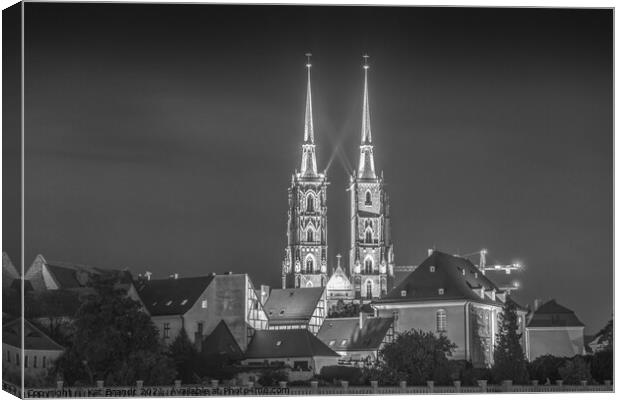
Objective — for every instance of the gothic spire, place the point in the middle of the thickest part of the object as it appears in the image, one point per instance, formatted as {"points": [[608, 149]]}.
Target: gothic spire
{"points": [[308, 161], [366, 168]]}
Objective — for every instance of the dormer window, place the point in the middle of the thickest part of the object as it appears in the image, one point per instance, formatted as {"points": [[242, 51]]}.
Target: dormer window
{"points": [[432, 268], [278, 343], [184, 302], [440, 291], [344, 342], [332, 343], [368, 198], [169, 302]]}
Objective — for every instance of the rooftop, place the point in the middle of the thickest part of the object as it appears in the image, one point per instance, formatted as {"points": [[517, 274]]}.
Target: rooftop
{"points": [[172, 296], [287, 343], [292, 304], [553, 314], [344, 334]]}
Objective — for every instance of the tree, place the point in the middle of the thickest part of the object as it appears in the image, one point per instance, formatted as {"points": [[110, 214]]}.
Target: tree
{"points": [[575, 370], [606, 336], [509, 359], [184, 356], [545, 368], [417, 357], [114, 341]]}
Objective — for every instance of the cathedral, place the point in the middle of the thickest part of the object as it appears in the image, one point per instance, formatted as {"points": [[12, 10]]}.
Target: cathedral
{"points": [[370, 272]]}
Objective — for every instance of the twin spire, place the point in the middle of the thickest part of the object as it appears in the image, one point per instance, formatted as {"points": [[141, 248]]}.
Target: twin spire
{"points": [[366, 168]]}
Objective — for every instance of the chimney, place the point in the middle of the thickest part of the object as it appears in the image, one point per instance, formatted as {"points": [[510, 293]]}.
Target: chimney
{"points": [[148, 274], [430, 252]]}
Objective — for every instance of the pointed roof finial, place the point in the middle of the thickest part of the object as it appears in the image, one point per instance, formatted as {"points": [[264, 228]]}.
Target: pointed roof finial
{"points": [[308, 161], [366, 57], [366, 136]]}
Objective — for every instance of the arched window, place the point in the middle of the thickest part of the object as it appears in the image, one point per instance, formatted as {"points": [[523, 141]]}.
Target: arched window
{"points": [[368, 235], [368, 265], [309, 264], [369, 289], [310, 203], [310, 235], [442, 322], [368, 198], [309, 284]]}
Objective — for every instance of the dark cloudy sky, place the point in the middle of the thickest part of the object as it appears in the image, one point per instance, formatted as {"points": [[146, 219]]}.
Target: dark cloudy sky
{"points": [[163, 137]]}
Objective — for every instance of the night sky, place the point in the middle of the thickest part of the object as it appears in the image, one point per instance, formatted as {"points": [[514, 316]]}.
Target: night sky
{"points": [[163, 137]]}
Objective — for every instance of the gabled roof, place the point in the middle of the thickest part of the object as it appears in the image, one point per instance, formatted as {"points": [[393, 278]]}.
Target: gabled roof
{"points": [[344, 334], [222, 342], [34, 338], [292, 304], [172, 296], [553, 314], [339, 280], [458, 277], [72, 276], [287, 343]]}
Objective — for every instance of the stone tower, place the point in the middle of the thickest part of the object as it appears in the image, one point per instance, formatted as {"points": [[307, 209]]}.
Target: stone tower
{"points": [[305, 258], [371, 258]]}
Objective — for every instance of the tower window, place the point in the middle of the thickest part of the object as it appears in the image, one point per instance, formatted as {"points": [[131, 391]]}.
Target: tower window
{"points": [[368, 235], [310, 235], [368, 266], [368, 198], [442, 321], [310, 203], [369, 290], [309, 264]]}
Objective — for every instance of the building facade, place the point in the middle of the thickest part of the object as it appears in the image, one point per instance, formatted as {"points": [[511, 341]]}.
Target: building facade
{"points": [[305, 256], [371, 257]]}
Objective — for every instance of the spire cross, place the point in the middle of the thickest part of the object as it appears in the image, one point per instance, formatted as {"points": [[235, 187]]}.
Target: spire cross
{"points": [[308, 55], [366, 57]]}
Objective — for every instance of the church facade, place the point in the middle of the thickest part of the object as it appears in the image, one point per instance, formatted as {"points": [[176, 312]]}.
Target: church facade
{"points": [[370, 269]]}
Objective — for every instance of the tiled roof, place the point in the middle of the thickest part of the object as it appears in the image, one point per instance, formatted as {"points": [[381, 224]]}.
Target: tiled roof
{"points": [[172, 296], [287, 343], [292, 304], [458, 277], [367, 214], [222, 341], [34, 338], [344, 334], [553, 314]]}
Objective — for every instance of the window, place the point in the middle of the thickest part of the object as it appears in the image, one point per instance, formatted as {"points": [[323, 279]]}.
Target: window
{"points": [[310, 236], [168, 302], [368, 198], [332, 342], [184, 302], [25, 361], [441, 320], [204, 304], [309, 264], [44, 362], [368, 265], [369, 290], [310, 203], [166, 330], [403, 293], [432, 268], [368, 235], [200, 327], [440, 291], [278, 343], [344, 342], [34, 362]]}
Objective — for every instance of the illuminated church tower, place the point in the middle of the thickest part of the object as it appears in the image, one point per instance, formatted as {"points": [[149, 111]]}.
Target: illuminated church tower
{"points": [[305, 258], [371, 258]]}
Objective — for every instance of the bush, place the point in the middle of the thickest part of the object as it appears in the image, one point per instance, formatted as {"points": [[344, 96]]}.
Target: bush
{"points": [[333, 373], [468, 375], [271, 377], [575, 370], [546, 368], [602, 366]]}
